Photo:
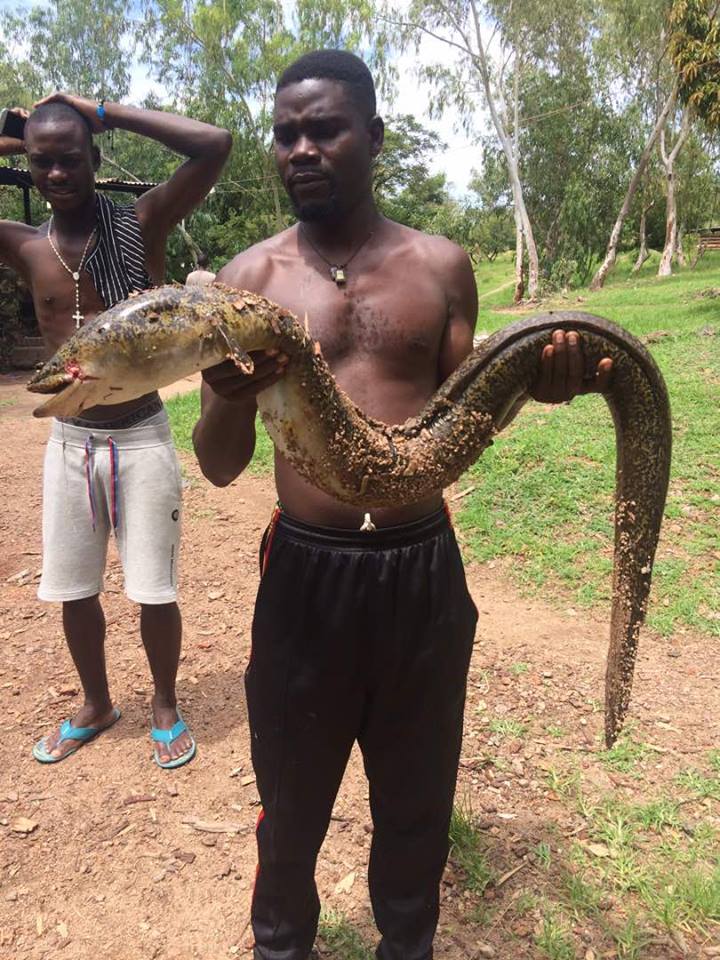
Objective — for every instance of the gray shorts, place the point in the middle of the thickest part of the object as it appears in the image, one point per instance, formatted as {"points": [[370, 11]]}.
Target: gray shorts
{"points": [[97, 481]]}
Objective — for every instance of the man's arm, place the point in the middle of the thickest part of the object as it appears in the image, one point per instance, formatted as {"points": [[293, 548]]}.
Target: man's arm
{"points": [[224, 436], [457, 338], [11, 233], [206, 146], [560, 369], [10, 146]]}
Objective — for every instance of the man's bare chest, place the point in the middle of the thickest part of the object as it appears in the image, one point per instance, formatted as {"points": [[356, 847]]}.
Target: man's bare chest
{"points": [[374, 316], [59, 307]]}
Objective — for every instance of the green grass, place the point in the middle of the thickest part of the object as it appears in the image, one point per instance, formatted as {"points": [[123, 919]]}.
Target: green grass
{"points": [[339, 939], [543, 497], [467, 849], [184, 410], [507, 727], [625, 754], [554, 938]]}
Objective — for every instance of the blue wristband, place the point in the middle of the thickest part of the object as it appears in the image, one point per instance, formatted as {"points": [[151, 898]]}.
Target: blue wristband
{"points": [[101, 110]]}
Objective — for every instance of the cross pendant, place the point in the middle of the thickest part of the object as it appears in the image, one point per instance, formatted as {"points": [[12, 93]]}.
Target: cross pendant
{"points": [[78, 318], [338, 275]]}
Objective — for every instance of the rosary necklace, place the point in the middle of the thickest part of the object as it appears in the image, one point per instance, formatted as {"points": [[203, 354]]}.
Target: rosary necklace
{"points": [[337, 270], [75, 274]]}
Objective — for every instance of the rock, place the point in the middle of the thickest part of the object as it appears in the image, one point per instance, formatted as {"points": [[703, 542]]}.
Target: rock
{"points": [[485, 950], [345, 885], [23, 825], [598, 849], [186, 856], [18, 576]]}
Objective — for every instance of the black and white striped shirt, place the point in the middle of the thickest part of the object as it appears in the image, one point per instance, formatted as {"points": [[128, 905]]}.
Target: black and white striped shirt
{"points": [[117, 264]]}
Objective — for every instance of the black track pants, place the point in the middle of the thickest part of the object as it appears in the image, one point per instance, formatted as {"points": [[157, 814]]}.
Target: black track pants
{"points": [[367, 637]]}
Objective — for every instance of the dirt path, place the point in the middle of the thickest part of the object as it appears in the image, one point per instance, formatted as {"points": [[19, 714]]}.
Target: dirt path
{"points": [[112, 859]]}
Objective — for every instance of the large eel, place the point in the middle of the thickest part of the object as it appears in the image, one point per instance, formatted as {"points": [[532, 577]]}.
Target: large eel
{"points": [[160, 336]]}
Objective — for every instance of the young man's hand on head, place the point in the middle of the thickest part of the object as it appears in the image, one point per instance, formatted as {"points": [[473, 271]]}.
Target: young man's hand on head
{"points": [[87, 108]]}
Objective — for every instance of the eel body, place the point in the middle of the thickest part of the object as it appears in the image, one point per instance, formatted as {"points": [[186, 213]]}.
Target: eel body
{"points": [[160, 336]]}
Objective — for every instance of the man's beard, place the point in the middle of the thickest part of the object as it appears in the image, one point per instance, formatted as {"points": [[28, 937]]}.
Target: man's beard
{"points": [[315, 211]]}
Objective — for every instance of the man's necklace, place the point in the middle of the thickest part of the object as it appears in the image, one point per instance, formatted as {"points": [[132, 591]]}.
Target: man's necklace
{"points": [[337, 270], [75, 274]]}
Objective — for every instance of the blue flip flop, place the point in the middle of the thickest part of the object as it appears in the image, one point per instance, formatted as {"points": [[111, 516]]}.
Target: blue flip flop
{"points": [[169, 736], [69, 732]]}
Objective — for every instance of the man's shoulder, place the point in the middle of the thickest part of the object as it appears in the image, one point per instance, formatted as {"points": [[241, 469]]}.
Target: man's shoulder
{"points": [[22, 230], [432, 247], [19, 248], [250, 268]]}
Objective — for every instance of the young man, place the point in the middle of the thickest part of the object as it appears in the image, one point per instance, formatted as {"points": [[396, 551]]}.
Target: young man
{"points": [[115, 468], [358, 634]]}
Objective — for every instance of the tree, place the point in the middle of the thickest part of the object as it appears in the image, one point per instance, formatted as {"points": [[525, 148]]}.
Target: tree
{"points": [[76, 46], [695, 53], [668, 158], [634, 46], [404, 186], [462, 25]]}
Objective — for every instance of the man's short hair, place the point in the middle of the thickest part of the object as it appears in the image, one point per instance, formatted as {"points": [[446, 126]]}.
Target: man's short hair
{"points": [[59, 112], [203, 260], [335, 65]]}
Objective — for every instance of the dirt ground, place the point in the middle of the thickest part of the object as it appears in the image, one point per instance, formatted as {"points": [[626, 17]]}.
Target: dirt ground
{"points": [[105, 855]]}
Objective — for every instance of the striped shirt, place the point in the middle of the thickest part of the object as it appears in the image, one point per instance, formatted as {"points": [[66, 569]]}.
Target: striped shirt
{"points": [[117, 264]]}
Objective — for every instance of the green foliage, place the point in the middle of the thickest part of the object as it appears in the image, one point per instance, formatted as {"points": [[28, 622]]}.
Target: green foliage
{"points": [[695, 52], [467, 849], [340, 940], [75, 46]]}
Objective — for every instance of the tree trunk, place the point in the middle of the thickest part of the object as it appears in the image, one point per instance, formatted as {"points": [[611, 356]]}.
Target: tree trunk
{"points": [[479, 58], [519, 257], [606, 266], [644, 253], [671, 228], [665, 268], [679, 249]]}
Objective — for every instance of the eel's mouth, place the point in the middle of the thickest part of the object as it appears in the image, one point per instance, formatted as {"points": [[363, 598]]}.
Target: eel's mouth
{"points": [[63, 401], [57, 381]]}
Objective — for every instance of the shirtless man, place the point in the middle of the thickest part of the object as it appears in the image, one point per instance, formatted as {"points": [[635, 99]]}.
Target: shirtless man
{"points": [[358, 634], [116, 468]]}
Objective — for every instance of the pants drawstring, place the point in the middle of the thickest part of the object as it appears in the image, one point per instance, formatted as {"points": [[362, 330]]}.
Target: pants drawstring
{"points": [[114, 479], [89, 460]]}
